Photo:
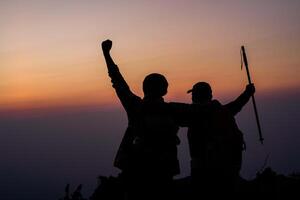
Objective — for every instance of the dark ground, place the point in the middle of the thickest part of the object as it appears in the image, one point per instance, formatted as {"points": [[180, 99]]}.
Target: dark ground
{"points": [[267, 185]]}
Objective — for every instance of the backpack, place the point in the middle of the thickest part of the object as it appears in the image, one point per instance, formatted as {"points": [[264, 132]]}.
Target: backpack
{"points": [[216, 143]]}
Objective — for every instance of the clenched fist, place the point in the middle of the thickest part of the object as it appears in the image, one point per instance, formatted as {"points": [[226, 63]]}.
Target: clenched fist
{"points": [[106, 45]]}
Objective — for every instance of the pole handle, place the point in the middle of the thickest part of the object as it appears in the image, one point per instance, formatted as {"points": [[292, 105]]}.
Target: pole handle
{"points": [[246, 64]]}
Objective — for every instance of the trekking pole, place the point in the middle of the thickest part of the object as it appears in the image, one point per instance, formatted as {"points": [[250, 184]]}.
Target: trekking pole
{"points": [[244, 57]]}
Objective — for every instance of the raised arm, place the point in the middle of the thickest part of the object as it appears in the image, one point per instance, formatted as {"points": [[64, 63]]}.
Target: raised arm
{"points": [[113, 71], [106, 47], [237, 105], [122, 89]]}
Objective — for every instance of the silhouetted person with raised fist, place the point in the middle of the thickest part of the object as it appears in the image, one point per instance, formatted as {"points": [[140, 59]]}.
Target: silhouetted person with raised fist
{"points": [[147, 154], [216, 143]]}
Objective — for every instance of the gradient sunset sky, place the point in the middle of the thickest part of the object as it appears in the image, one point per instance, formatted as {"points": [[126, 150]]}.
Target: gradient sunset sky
{"points": [[60, 120], [50, 55]]}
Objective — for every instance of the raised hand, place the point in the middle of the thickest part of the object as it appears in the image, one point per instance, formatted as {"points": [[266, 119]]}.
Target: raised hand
{"points": [[106, 45], [250, 88]]}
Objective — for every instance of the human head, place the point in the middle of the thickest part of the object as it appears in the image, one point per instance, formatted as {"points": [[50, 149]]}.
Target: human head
{"points": [[201, 92], [155, 85]]}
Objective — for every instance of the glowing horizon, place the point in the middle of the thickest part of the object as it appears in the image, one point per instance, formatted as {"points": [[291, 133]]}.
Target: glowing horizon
{"points": [[50, 51]]}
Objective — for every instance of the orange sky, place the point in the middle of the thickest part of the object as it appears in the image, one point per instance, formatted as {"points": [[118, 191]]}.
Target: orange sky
{"points": [[50, 55]]}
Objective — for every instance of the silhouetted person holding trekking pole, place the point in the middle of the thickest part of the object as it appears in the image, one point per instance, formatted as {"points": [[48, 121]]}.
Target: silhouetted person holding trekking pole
{"points": [[216, 144]]}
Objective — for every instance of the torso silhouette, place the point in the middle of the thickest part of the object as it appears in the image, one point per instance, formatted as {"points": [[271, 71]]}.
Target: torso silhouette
{"points": [[151, 137], [215, 141]]}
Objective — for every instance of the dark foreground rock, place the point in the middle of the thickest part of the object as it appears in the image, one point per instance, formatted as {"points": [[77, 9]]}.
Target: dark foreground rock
{"points": [[267, 185]]}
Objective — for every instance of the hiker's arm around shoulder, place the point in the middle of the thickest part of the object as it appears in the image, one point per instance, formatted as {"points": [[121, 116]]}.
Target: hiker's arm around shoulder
{"points": [[187, 114], [237, 105], [181, 113], [119, 83]]}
